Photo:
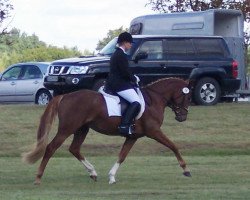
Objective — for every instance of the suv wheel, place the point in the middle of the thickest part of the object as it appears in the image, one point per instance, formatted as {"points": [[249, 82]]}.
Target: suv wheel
{"points": [[98, 84], [43, 97], [207, 92]]}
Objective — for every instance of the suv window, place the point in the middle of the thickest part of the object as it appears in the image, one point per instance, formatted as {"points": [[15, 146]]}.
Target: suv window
{"points": [[209, 48], [179, 48], [153, 49]]}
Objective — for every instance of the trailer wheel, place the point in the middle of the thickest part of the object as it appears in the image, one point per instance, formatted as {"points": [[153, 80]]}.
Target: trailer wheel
{"points": [[207, 92]]}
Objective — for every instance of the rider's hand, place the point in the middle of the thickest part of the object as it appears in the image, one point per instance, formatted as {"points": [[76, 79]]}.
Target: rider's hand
{"points": [[137, 80]]}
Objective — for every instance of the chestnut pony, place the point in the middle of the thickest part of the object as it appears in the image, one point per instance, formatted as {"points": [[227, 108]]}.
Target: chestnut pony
{"points": [[79, 111]]}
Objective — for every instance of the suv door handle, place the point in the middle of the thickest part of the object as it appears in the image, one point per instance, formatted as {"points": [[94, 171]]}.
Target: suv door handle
{"points": [[163, 65], [35, 82], [196, 64], [13, 83]]}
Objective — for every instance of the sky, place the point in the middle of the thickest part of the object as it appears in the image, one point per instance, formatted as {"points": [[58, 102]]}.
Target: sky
{"points": [[71, 23]]}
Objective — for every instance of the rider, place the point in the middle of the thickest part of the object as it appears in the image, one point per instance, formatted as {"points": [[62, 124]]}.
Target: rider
{"points": [[121, 81]]}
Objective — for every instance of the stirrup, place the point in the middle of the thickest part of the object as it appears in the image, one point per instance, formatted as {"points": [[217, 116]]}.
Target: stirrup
{"points": [[126, 130]]}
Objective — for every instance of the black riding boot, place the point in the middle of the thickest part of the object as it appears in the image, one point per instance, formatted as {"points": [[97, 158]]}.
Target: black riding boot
{"points": [[128, 117]]}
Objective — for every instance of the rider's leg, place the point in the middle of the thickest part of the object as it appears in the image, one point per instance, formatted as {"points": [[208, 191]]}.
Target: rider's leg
{"points": [[133, 109]]}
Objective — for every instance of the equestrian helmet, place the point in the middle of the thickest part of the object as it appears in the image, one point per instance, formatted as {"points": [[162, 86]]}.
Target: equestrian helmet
{"points": [[125, 37]]}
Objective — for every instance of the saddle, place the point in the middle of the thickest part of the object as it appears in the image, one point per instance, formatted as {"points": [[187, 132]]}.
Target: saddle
{"points": [[117, 105]]}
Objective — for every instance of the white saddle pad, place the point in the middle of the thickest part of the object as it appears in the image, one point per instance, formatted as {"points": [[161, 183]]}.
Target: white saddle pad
{"points": [[114, 106]]}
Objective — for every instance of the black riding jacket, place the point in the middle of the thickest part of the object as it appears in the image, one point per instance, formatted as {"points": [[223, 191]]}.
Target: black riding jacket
{"points": [[120, 78]]}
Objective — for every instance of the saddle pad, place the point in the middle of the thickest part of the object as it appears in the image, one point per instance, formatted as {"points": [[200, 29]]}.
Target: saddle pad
{"points": [[114, 106]]}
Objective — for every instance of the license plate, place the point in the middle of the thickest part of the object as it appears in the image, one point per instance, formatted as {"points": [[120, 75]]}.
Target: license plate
{"points": [[52, 78]]}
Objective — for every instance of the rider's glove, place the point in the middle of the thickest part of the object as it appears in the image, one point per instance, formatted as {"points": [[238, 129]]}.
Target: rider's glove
{"points": [[137, 80]]}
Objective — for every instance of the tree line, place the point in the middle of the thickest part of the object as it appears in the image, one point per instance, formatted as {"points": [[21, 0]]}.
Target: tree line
{"points": [[18, 47]]}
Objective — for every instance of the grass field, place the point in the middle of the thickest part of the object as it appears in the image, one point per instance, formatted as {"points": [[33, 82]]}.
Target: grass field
{"points": [[214, 142]]}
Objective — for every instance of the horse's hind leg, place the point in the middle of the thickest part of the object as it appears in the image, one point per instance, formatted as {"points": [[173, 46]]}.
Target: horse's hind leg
{"points": [[50, 150], [75, 147], [163, 139], [128, 144]]}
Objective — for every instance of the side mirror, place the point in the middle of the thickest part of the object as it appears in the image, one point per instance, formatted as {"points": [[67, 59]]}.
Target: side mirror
{"points": [[140, 56]]}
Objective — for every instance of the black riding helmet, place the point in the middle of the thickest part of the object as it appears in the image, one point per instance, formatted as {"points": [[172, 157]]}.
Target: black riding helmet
{"points": [[125, 37]]}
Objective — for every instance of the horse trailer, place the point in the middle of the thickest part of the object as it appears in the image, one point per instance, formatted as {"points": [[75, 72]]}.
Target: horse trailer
{"points": [[226, 23]]}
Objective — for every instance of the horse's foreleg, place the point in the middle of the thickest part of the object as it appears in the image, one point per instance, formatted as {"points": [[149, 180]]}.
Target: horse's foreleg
{"points": [[163, 139], [75, 147], [128, 144], [50, 150]]}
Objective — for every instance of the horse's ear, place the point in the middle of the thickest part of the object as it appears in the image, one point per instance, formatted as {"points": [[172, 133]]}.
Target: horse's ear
{"points": [[191, 83]]}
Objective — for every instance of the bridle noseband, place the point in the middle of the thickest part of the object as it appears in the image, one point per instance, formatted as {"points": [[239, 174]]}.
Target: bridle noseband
{"points": [[177, 107]]}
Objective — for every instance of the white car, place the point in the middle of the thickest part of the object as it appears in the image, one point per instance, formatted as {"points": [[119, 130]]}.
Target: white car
{"points": [[23, 82]]}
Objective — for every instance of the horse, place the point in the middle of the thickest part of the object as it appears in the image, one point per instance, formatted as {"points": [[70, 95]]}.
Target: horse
{"points": [[86, 109]]}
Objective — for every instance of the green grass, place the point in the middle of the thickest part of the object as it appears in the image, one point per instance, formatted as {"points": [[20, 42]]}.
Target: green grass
{"points": [[150, 177], [214, 142]]}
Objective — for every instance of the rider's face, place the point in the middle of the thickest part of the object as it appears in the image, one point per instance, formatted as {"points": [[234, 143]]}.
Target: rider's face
{"points": [[127, 45]]}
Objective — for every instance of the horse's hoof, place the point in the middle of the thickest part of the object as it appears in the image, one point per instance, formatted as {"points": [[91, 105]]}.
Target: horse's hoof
{"points": [[93, 177], [37, 182], [111, 182], [188, 174]]}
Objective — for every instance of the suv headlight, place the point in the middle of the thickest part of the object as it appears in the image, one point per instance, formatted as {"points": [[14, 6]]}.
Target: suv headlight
{"points": [[79, 69]]}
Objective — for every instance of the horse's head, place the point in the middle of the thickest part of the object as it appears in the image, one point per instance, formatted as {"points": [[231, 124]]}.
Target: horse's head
{"points": [[175, 93], [179, 102]]}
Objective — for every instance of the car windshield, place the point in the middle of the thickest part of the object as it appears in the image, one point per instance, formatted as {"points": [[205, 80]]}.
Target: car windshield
{"points": [[109, 49]]}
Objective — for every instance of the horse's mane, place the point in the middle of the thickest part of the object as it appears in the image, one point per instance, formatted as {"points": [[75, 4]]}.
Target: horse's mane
{"points": [[163, 79]]}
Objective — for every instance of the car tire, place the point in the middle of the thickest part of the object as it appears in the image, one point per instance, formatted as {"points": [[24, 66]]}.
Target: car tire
{"points": [[98, 84], [207, 92], [43, 97]]}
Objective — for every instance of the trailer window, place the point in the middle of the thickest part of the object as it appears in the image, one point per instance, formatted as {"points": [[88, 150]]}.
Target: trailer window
{"points": [[136, 29]]}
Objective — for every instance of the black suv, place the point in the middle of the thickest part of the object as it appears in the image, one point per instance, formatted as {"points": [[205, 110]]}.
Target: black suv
{"points": [[205, 60]]}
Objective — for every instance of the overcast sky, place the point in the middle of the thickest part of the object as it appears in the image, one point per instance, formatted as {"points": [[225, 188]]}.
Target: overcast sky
{"points": [[72, 23]]}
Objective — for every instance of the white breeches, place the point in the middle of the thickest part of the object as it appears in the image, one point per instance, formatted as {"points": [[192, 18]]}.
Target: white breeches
{"points": [[130, 95]]}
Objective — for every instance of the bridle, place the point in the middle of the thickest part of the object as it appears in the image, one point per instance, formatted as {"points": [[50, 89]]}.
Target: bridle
{"points": [[175, 107]]}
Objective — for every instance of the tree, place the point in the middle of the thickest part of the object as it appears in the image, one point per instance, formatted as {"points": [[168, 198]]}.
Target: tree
{"points": [[5, 10], [110, 35], [87, 52], [169, 6]]}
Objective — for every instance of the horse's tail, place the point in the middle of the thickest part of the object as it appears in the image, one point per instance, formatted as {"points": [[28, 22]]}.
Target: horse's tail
{"points": [[43, 131]]}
